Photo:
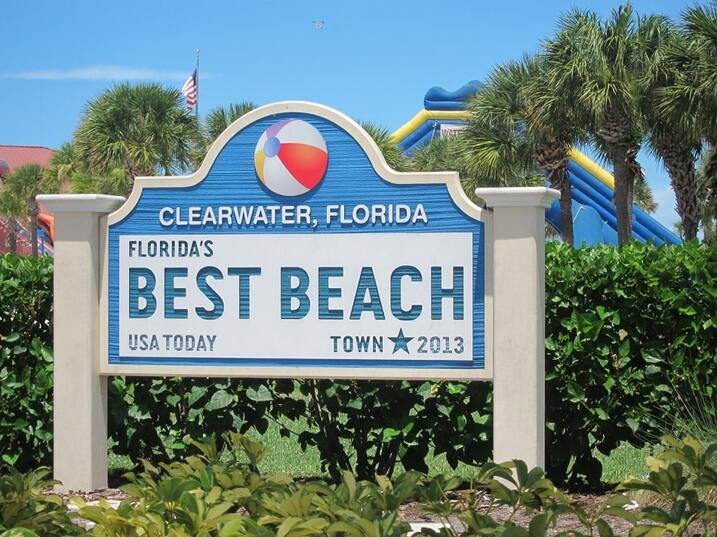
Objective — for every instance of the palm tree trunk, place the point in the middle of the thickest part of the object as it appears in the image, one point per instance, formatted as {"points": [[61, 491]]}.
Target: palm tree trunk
{"points": [[615, 134], [711, 178], [552, 156], [33, 211], [566, 214], [680, 164], [12, 234], [623, 197], [634, 174], [559, 179], [709, 230]]}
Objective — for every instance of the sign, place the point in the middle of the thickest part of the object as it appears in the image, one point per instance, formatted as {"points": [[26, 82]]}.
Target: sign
{"points": [[449, 130], [296, 251]]}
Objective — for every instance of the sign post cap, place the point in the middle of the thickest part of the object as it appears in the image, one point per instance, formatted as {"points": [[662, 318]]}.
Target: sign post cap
{"points": [[532, 196], [80, 203]]}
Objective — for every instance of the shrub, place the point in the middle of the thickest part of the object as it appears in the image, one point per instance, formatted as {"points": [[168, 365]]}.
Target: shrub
{"points": [[205, 495], [387, 422], [381, 422], [683, 480], [24, 505], [625, 328], [25, 361], [150, 418]]}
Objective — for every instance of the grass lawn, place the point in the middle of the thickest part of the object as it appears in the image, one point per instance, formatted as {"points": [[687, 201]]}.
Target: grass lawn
{"points": [[285, 456], [624, 461]]}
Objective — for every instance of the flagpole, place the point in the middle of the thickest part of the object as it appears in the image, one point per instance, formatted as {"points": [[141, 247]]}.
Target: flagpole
{"points": [[196, 82]]}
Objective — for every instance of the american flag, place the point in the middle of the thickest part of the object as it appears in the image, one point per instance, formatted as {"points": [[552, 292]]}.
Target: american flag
{"points": [[189, 90]]}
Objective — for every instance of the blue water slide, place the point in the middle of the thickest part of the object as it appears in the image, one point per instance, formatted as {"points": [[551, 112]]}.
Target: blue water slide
{"points": [[425, 139], [586, 192], [418, 137], [423, 135], [440, 99], [645, 228], [594, 216], [589, 229]]}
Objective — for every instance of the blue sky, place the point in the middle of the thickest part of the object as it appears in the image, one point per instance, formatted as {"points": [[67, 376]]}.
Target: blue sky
{"points": [[372, 59]]}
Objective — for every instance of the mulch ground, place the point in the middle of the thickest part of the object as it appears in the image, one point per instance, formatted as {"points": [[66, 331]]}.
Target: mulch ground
{"points": [[96, 495], [591, 502]]}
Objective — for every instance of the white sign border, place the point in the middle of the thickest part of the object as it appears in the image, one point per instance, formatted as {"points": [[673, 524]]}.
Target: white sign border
{"points": [[455, 190]]}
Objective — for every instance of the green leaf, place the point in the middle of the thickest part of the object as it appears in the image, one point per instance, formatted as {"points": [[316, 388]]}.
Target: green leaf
{"points": [[604, 529], [609, 383], [633, 423], [538, 526], [218, 510], [261, 393], [196, 394], [219, 400], [515, 531], [12, 337], [10, 459]]}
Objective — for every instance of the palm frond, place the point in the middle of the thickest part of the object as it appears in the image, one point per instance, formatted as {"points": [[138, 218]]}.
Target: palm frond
{"points": [[221, 117], [390, 149], [141, 128]]}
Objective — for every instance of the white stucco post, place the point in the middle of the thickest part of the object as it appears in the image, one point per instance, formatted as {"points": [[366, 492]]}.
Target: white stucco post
{"points": [[519, 321], [80, 393]]}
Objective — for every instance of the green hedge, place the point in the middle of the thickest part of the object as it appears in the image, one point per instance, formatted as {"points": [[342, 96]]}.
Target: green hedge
{"points": [[625, 329], [25, 360]]}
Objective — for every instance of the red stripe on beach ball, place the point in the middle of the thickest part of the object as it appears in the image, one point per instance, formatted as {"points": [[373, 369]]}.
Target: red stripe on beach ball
{"points": [[306, 163]]}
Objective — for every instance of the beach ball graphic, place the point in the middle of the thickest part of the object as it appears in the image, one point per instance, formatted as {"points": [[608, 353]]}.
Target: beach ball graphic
{"points": [[291, 157]]}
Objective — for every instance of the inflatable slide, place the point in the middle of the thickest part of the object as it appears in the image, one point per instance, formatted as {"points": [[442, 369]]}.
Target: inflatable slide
{"points": [[594, 218]]}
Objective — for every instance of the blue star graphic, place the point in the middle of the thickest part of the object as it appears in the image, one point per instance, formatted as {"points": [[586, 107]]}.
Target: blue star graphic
{"points": [[400, 342]]}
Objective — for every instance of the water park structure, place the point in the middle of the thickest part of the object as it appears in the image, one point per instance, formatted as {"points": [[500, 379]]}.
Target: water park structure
{"points": [[594, 217]]}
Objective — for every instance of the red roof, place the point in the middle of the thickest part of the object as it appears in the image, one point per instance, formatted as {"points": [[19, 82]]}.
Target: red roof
{"points": [[17, 155]]}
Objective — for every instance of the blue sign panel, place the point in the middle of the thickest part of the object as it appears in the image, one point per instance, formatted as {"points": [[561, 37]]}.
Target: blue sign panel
{"points": [[295, 246]]}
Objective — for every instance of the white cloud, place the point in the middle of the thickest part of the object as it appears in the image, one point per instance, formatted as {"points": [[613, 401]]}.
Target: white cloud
{"points": [[100, 72]]}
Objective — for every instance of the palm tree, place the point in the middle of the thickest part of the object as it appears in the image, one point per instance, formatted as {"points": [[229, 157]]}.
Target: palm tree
{"points": [[693, 97], [519, 126], [390, 149], [707, 220], [643, 196], [556, 125], [116, 182], [11, 209], [64, 164], [447, 153], [497, 146], [141, 129], [673, 131], [7, 214], [19, 192], [599, 66], [221, 117], [68, 171]]}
